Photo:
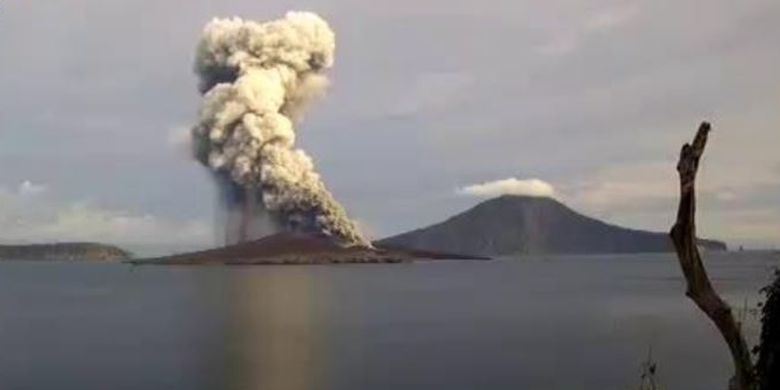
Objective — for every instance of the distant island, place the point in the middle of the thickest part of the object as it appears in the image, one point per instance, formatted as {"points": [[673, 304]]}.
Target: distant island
{"points": [[299, 248], [511, 225], [69, 251], [507, 225]]}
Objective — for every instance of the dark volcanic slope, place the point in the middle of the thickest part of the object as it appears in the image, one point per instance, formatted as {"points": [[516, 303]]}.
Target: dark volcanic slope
{"points": [[63, 251], [290, 248], [531, 225]]}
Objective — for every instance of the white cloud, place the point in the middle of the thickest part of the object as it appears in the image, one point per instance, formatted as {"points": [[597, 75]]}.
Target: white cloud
{"points": [[645, 196], [752, 227], [83, 222], [28, 188], [625, 187], [609, 18], [569, 37], [560, 44], [430, 92], [29, 219], [510, 186], [180, 139]]}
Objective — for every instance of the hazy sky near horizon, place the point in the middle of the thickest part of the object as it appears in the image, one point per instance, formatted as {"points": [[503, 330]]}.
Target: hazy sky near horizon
{"points": [[431, 101]]}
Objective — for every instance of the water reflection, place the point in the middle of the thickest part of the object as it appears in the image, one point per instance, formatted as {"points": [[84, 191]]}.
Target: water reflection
{"points": [[273, 340], [530, 323]]}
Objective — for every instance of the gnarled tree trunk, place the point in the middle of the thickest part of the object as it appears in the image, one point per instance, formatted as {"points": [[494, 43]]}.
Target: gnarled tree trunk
{"points": [[699, 288]]}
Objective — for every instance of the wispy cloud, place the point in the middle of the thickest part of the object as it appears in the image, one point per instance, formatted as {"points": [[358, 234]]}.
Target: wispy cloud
{"points": [[28, 188], [611, 17], [568, 38], [645, 196], [179, 138], [430, 92], [27, 218]]}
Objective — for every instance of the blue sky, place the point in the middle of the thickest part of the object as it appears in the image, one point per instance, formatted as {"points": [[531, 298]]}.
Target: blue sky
{"points": [[593, 98]]}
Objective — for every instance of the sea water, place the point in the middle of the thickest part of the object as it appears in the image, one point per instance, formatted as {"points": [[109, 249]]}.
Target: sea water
{"points": [[535, 322]]}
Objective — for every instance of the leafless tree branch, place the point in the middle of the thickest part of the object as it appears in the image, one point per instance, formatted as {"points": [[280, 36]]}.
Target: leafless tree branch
{"points": [[699, 288]]}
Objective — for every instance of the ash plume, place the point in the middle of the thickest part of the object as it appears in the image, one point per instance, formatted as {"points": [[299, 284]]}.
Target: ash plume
{"points": [[256, 80]]}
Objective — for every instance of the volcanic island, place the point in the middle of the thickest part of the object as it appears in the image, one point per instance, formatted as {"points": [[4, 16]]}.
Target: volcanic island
{"points": [[300, 248]]}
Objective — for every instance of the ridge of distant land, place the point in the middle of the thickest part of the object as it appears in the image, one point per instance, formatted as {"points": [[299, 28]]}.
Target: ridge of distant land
{"points": [[68, 251], [512, 225], [299, 248], [507, 225]]}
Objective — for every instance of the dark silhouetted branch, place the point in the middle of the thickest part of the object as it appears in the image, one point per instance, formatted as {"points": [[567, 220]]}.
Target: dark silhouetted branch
{"points": [[699, 288], [768, 365]]}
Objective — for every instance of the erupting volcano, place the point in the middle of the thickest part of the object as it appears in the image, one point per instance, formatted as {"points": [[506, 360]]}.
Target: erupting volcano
{"points": [[256, 80]]}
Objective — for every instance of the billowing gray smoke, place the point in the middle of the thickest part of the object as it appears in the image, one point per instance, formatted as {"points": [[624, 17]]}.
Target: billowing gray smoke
{"points": [[256, 79]]}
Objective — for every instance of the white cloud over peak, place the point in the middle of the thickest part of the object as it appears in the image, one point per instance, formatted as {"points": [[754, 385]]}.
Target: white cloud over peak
{"points": [[509, 186]]}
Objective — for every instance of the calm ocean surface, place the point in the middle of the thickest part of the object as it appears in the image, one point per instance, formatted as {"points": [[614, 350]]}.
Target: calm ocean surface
{"points": [[523, 323]]}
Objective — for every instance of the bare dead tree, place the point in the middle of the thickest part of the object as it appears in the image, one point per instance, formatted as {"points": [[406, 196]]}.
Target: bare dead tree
{"points": [[699, 287]]}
